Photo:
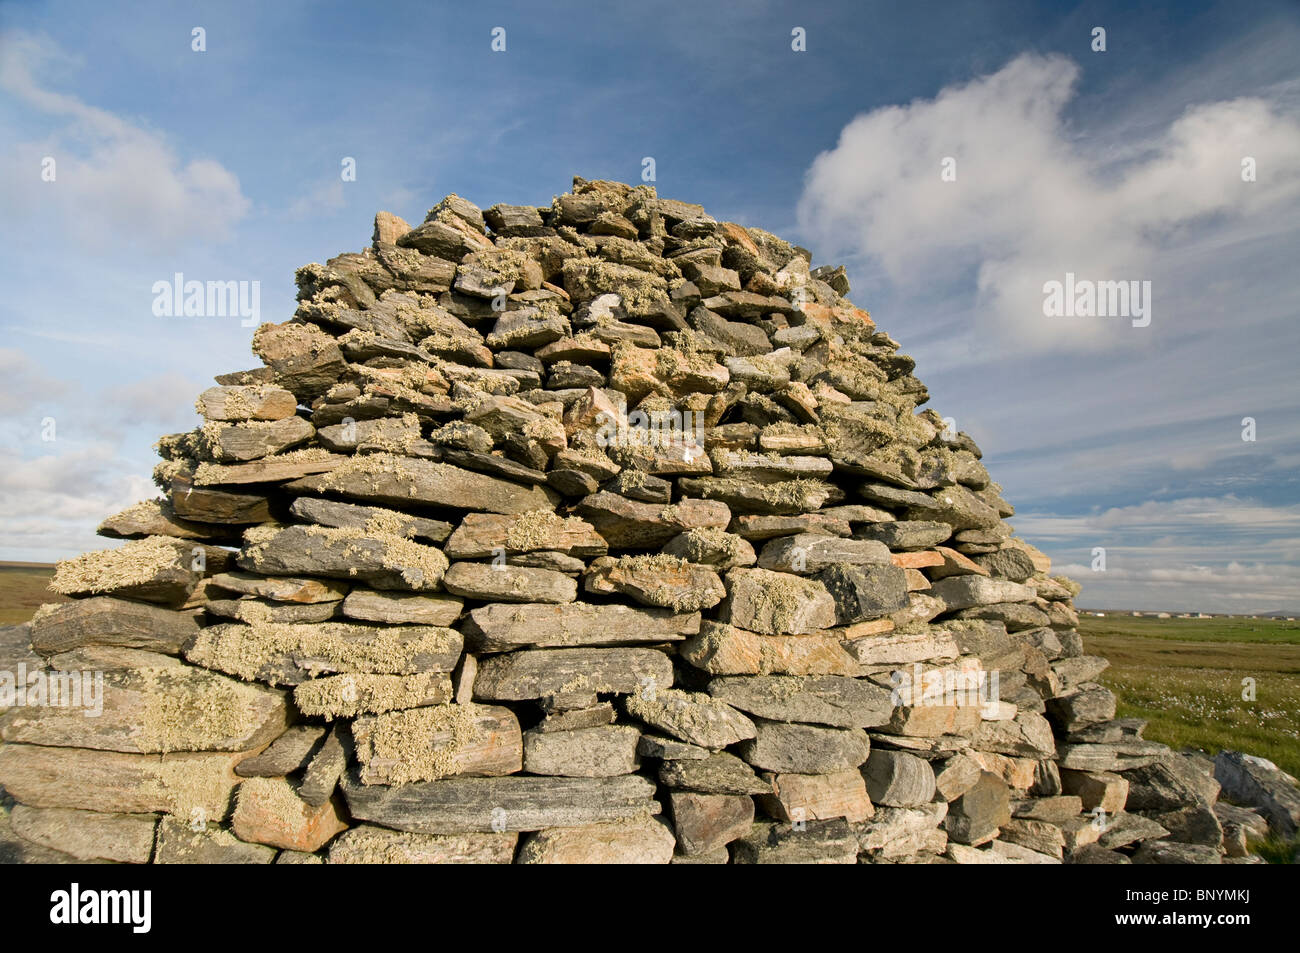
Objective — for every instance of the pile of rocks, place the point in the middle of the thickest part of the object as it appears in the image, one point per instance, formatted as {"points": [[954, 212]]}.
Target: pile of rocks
{"points": [[599, 532]]}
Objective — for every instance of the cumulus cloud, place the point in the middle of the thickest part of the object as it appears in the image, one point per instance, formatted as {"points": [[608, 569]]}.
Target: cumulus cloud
{"points": [[50, 504], [1033, 199], [116, 182]]}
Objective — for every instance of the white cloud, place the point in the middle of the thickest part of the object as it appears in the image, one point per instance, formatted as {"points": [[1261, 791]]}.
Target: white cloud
{"points": [[50, 504], [1235, 588], [324, 197], [23, 385], [1211, 554], [1033, 199], [117, 183]]}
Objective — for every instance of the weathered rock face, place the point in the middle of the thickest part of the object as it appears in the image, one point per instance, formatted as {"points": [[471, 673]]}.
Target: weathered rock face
{"points": [[603, 532]]}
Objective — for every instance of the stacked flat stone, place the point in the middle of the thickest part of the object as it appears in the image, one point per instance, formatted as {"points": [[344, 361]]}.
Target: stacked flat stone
{"points": [[426, 588]]}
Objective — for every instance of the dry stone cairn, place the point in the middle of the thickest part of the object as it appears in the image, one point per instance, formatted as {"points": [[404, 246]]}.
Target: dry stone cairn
{"points": [[600, 532]]}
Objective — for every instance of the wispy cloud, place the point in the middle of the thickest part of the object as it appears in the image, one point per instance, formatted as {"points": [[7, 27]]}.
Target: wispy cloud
{"points": [[116, 183]]}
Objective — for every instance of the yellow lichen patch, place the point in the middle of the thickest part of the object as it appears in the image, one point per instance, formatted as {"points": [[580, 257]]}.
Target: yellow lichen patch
{"points": [[257, 651], [179, 718], [168, 470], [274, 796], [780, 599], [656, 562], [346, 696], [390, 523], [536, 528], [105, 570], [141, 512], [419, 744], [195, 789], [420, 566], [394, 435], [237, 403]]}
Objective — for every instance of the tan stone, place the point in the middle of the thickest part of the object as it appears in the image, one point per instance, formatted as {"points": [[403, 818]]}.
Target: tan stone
{"points": [[269, 811]]}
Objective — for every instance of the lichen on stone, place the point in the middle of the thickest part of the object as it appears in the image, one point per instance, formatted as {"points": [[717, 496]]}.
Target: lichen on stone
{"points": [[137, 562]]}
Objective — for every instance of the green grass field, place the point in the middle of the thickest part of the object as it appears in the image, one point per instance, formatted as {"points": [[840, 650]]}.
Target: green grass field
{"points": [[1185, 676]]}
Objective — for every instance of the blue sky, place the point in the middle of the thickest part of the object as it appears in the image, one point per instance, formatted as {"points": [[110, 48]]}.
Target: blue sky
{"points": [[1123, 164]]}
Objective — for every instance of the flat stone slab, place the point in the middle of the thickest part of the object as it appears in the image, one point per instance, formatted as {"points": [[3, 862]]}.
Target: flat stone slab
{"points": [[269, 811], [906, 534], [407, 481], [722, 649], [156, 569], [809, 553], [692, 717], [104, 620], [831, 700], [805, 749], [158, 518], [371, 518], [384, 562], [539, 673], [902, 648], [87, 835], [598, 752], [659, 580], [799, 798], [715, 548], [961, 592], [719, 773], [346, 696], [286, 754], [637, 840], [287, 654], [775, 603], [864, 592], [435, 608], [758, 527], [302, 590], [494, 582], [502, 627], [114, 781], [273, 469], [630, 524], [1262, 784], [153, 710], [369, 844], [178, 842], [706, 822], [246, 402], [481, 535], [252, 440], [426, 744], [518, 803], [820, 842]]}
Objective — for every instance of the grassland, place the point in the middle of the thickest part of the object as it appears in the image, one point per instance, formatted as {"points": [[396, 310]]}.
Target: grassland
{"points": [[23, 590], [1185, 676]]}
